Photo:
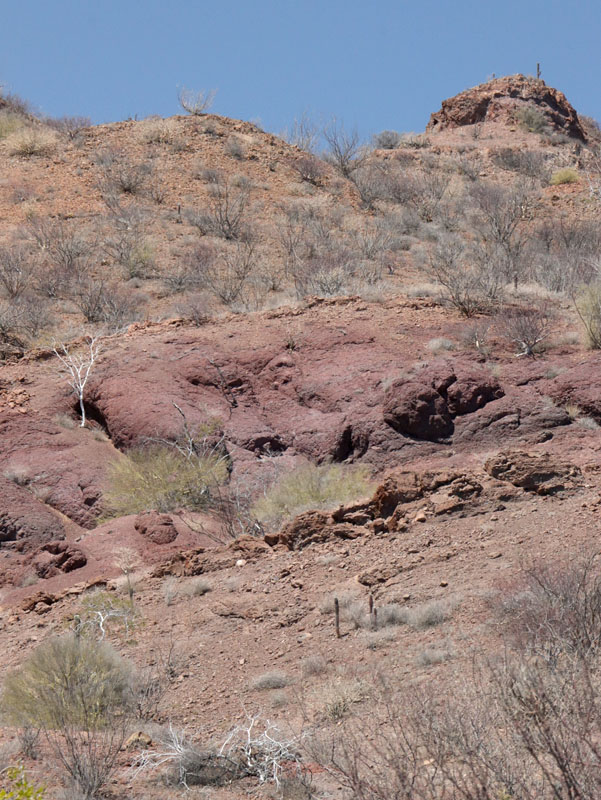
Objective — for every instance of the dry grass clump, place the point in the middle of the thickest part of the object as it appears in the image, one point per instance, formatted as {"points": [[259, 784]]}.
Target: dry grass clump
{"points": [[161, 478], [313, 665], [27, 142], [271, 680], [428, 615], [562, 176], [336, 698], [155, 130], [312, 487]]}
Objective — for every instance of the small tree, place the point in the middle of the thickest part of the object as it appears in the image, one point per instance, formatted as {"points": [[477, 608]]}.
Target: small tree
{"points": [[344, 148], [79, 368]]}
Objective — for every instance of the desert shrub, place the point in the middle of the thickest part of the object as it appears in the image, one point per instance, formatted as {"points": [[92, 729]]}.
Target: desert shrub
{"points": [[526, 328], [554, 609], [20, 787], [532, 120], [160, 477], [432, 655], [440, 344], [270, 680], [562, 176], [156, 130], [386, 140], [10, 123], [120, 175], [527, 162], [344, 148], [223, 273], [372, 183], [309, 168], [469, 284], [234, 148], [101, 612], [196, 587], [195, 308], [588, 307], [196, 103], [71, 127], [31, 141], [16, 270], [226, 215], [106, 303], [78, 692], [313, 665], [312, 487], [427, 615]]}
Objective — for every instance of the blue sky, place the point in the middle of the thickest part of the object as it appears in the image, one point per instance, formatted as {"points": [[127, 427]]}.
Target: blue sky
{"points": [[374, 65]]}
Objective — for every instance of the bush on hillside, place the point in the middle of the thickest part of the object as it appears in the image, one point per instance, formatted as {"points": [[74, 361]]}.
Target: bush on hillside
{"points": [[310, 487], [162, 478]]}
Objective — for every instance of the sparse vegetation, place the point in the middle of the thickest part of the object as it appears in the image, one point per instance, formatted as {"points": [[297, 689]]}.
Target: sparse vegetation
{"points": [[562, 176], [77, 691], [312, 487]]}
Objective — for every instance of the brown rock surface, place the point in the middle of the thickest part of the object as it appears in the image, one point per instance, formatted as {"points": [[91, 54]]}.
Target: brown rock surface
{"points": [[498, 101], [535, 472], [157, 528]]}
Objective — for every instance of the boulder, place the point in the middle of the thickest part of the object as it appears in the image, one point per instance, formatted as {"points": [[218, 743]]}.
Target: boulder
{"points": [[534, 472], [157, 528]]}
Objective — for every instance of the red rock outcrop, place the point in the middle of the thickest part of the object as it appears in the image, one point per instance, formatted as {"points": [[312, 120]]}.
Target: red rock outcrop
{"points": [[500, 98], [157, 528]]}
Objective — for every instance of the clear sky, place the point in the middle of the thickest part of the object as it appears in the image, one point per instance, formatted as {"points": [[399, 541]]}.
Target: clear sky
{"points": [[374, 64]]}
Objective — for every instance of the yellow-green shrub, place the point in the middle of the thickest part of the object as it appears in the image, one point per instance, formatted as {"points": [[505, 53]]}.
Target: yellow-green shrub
{"points": [[21, 788], [312, 487], [566, 175], [161, 478]]}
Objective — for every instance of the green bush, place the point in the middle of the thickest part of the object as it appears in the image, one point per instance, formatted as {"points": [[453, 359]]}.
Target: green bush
{"points": [[21, 787], [312, 487], [78, 692], [531, 119], [162, 478], [564, 176]]}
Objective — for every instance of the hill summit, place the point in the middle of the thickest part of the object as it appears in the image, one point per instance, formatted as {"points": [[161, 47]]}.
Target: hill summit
{"points": [[509, 99]]}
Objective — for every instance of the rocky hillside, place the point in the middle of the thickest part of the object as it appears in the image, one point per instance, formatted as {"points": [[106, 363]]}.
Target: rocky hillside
{"points": [[372, 376]]}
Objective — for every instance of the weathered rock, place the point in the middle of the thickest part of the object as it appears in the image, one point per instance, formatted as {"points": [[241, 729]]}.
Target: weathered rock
{"points": [[535, 472], [314, 526], [417, 410], [500, 98], [157, 528], [56, 557], [24, 521]]}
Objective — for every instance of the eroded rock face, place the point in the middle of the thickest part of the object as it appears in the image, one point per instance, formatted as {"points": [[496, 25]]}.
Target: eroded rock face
{"points": [[56, 557], [25, 523], [535, 472], [500, 98], [157, 528], [425, 406]]}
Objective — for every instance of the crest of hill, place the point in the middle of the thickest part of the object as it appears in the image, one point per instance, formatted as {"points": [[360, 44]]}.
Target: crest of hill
{"points": [[502, 99]]}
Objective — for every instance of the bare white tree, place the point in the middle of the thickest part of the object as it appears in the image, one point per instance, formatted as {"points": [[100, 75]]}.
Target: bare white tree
{"points": [[79, 367]]}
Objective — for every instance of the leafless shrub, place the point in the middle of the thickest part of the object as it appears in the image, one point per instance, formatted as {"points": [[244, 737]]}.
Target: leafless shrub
{"points": [[119, 175], [527, 328], [476, 335], [386, 140], [304, 133], [16, 270], [226, 214], [105, 302], [470, 286], [527, 162], [554, 609], [234, 147], [344, 148], [309, 168], [71, 127], [65, 254], [372, 183], [196, 308], [499, 213], [196, 103]]}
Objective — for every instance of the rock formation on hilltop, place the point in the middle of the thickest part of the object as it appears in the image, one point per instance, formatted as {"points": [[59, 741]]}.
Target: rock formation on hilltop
{"points": [[501, 98]]}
